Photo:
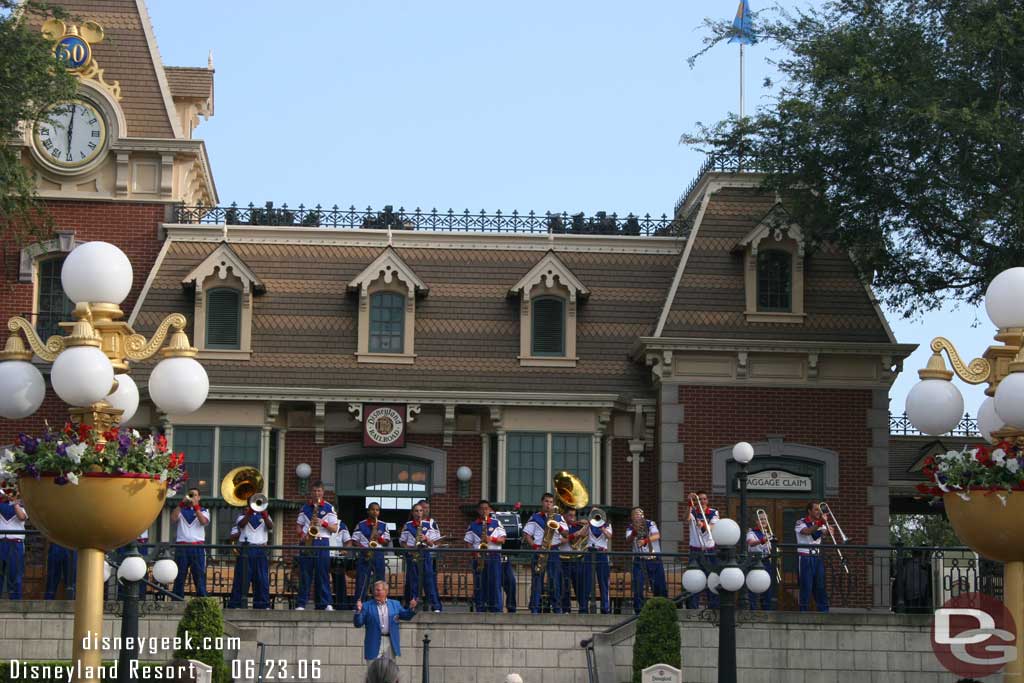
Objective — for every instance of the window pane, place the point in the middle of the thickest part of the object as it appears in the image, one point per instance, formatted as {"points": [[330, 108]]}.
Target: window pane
{"points": [[387, 322], [223, 319], [774, 280], [548, 327], [527, 467], [197, 445], [52, 306], [238, 446], [571, 452], [492, 470]]}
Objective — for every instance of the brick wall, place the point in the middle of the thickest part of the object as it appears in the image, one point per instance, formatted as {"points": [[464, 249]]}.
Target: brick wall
{"points": [[133, 227]]}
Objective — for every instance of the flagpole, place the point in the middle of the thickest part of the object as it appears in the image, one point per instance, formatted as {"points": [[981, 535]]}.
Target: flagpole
{"points": [[741, 81]]}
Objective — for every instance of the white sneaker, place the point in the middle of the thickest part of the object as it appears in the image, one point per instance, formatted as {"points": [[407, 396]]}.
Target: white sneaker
{"points": [[329, 608], [299, 609], [437, 611]]}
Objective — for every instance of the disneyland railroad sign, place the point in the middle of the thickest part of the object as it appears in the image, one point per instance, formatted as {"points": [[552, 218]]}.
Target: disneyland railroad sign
{"points": [[384, 425], [777, 480]]}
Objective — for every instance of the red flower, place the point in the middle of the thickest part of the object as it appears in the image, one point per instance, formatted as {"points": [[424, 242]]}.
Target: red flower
{"points": [[84, 431], [110, 435], [925, 489], [161, 443], [517, 506], [984, 457]]}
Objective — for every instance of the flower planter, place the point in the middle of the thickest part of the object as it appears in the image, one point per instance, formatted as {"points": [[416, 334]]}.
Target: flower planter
{"points": [[986, 525], [102, 511]]}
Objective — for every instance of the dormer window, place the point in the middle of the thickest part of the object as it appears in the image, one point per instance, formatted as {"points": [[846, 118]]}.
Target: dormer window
{"points": [[549, 295], [548, 333], [387, 290], [224, 289], [773, 257]]}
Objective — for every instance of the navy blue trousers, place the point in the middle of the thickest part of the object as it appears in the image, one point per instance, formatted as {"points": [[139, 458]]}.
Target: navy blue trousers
{"points": [[61, 569], [646, 571], [595, 562], [12, 567], [812, 580], [191, 559], [508, 584], [251, 569], [315, 572], [487, 583], [552, 575], [414, 563], [368, 571], [572, 570]]}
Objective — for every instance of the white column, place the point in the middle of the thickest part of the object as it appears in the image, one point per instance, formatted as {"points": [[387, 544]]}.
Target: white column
{"points": [[607, 470], [502, 465], [264, 465], [595, 467], [279, 519], [636, 449], [485, 456]]}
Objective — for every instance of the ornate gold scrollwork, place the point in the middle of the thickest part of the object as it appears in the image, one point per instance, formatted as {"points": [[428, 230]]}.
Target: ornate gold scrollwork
{"points": [[136, 346], [48, 351], [977, 371]]}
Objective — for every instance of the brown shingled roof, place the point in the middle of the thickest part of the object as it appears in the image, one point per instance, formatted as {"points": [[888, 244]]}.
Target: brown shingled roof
{"points": [[189, 82]]}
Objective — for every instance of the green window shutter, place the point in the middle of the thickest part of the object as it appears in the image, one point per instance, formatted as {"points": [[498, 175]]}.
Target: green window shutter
{"points": [[548, 327], [223, 319]]}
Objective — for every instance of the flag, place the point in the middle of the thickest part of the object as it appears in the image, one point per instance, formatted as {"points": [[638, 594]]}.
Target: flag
{"points": [[743, 25]]}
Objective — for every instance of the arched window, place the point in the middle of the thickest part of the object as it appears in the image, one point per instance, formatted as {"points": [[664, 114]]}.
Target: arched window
{"points": [[387, 322], [223, 318], [52, 305], [548, 338], [774, 280]]}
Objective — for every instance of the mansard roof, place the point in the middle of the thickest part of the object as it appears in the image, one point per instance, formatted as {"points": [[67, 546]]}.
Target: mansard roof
{"points": [[389, 266], [549, 269]]}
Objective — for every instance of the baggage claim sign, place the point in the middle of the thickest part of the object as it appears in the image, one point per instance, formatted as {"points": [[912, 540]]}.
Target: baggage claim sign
{"points": [[777, 480]]}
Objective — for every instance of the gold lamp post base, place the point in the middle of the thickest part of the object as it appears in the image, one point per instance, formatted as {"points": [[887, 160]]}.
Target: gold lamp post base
{"points": [[88, 614]]}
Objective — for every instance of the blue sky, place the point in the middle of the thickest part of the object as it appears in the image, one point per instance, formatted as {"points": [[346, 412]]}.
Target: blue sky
{"points": [[566, 106]]}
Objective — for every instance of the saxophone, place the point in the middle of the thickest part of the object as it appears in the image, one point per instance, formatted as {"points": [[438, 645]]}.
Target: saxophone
{"points": [[550, 527], [484, 535], [374, 543], [419, 534]]}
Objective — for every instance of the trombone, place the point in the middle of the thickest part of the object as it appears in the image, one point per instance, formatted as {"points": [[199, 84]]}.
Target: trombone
{"points": [[695, 503], [830, 520], [769, 536]]}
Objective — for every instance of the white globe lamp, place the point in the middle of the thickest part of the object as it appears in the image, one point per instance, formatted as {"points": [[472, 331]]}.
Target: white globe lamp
{"points": [[989, 420], [726, 532], [132, 569], [935, 406], [759, 581], [1009, 401], [463, 474], [82, 375], [732, 578], [179, 385], [743, 452], [1003, 301], [713, 582], [96, 272], [303, 470], [23, 389], [108, 571], [694, 580], [165, 571], [125, 397]]}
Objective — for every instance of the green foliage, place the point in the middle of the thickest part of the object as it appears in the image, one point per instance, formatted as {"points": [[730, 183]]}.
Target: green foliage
{"points": [[657, 637], [922, 531], [905, 120], [203, 619], [31, 80], [993, 470]]}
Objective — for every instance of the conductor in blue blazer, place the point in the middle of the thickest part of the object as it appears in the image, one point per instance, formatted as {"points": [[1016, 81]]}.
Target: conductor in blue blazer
{"points": [[380, 616]]}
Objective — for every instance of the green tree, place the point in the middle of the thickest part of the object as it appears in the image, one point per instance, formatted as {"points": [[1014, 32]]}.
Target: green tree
{"points": [[204, 622], [922, 531], [904, 120], [31, 80], [657, 638]]}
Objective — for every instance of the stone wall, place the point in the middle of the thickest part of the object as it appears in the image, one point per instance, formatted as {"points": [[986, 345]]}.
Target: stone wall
{"points": [[776, 648]]}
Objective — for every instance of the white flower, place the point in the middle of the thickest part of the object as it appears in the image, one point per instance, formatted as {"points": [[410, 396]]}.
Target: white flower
{"points": [[998, 456], [946, 489], [1013, 464], [950, 455], [72, 477], [150, 446], [1002, 498], [163, 476], [135, 434], [76, 451], [964, 496], [6, 457]]}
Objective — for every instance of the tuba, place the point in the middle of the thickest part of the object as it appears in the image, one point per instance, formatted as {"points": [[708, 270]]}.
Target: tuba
{"points": [[240, 485], [570, 492]]}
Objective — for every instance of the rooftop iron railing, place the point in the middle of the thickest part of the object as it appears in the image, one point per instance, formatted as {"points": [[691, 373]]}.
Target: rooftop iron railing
{"points": [[900, 425]]}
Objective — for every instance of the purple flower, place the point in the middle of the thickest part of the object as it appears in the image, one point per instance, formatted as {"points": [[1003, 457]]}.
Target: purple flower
{"points": [[48, 436], [62, 449], [124, 443], [31, 470], [60, 480], [28, 444]]}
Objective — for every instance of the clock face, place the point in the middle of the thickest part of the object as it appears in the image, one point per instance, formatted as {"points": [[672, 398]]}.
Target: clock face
{"points": [[71, 135]]}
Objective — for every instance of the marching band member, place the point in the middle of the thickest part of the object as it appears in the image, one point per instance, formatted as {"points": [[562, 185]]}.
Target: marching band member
{"points": [[315, 565], [253, 532], [60, 564], [191, 518], [759, 546], [809, 531], [702, 543], [420, 564], [550, 567], [572, 564], [432, 523], [645, 539], [369, 529], [339, 540], [596, 562], [487, 568], [12, 546]]}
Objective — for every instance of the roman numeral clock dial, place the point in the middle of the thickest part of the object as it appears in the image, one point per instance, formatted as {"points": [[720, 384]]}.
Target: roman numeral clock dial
{"points": [[71, 135]]}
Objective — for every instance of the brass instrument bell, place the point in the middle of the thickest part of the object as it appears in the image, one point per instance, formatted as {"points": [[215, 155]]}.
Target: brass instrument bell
{"points": [[570, 492], [241, 484], [259, 502]]}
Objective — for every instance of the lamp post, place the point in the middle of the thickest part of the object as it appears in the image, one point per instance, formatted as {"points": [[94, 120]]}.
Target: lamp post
{"points": [[743, 453], [935, 406], [131, 571], [727, 584], [90, 365]]}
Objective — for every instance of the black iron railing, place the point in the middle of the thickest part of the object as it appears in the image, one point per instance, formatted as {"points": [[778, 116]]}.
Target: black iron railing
{"points": [[389, 218], [866, 577], [900, 425], [719, 163]]}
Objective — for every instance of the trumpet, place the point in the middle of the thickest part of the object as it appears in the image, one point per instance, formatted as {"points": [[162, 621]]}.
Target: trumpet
{"points": [[766, 529], [597, 518], [695, 504], [830, 520]]}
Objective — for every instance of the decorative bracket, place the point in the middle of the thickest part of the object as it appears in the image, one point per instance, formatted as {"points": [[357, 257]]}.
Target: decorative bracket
{"points": [[741, 364], [604, 415], [449, 423], [357, 411], [48, 351], [412, 410], [812, 365], [273, 409], [320, 420], [977, 371], [497, 417], [137, 348]]}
